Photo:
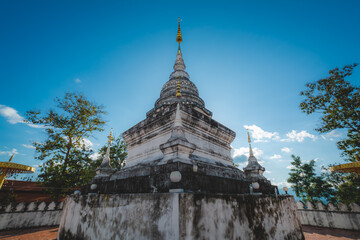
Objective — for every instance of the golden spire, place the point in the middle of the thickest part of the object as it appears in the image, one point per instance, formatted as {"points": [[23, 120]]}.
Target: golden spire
{"points": [[11, 157], [110, 137], [179, 38], [178, 93], [249, 140]]}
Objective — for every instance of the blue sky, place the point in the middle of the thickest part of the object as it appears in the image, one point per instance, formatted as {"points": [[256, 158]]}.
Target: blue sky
{"points": [[249, 60]]}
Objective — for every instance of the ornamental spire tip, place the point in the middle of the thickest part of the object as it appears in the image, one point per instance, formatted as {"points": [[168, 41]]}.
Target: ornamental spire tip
{"points": [[11, 158], [110, 137], [179, 38], [249, 141]]}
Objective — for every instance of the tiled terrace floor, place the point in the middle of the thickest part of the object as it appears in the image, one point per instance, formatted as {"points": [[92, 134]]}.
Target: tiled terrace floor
{"points": [[41, 233], [50, 233]]}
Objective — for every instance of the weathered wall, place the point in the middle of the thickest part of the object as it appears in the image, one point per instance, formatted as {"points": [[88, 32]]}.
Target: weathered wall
{"points": [[179, 216], [126, 216], [26, 215], [332, 216]]}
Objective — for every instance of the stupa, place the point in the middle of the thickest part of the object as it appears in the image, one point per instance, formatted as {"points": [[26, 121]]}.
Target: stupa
{"points": [[179, 181], [179, 138]]}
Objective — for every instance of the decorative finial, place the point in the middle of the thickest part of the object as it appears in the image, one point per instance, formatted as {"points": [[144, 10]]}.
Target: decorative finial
{"points": [[11, 158], [179, 38], [110, 137], [253, 170], [249, 141], [178, 93]]}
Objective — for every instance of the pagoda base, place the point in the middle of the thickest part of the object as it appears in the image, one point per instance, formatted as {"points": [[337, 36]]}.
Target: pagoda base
{"points": [[199, 177], [174, 216]]}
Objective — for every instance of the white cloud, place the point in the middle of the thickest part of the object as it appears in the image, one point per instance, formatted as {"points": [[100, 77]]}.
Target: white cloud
{"points": [[13, 151], [10, 114], [245, 151], [275, 156], [88, 144], [34, 126], [331, 135], [284, 184], [77, 80], [29, 146], [84, 141], [286, 149], [94, 156], [267, 171], [241, 165], [290, 167], [13, 117], [259, 135], [323, 169], [294, 136]]}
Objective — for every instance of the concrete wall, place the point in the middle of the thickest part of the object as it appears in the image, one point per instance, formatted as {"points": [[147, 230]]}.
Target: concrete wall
{"points": [[26, 215], [332, 216], [179, 216]]}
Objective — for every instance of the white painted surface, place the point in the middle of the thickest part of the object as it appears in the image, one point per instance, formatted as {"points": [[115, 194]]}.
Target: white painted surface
{"points": [[329, 219], [144, 140], [175, 176], [20, 207], [330, 216], [31, 206], [174, 216], [42, 206], [26, 215], [16, 220], [140, 216]]}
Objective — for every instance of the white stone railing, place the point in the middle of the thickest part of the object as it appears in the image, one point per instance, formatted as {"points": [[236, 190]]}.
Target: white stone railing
{"points": [[26, 215], [332, 216]]}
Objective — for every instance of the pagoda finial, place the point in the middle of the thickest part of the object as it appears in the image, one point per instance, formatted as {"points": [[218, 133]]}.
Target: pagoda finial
{"points": [[249, 141], [110, 137], [179, 62], [179, 38], [11, 158]]}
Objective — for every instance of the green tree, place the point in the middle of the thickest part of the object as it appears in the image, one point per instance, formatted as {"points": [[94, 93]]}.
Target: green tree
{"points": [[118, 154], [339, 103], [346, 185], [306, 184], [65, 154]]}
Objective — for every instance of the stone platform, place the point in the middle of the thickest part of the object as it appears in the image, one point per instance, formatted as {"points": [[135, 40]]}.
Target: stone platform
{"points": [[208, 178], [174, 216]]}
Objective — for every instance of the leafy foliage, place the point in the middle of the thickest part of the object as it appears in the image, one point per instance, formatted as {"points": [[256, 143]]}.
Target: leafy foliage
{"points": [[7, 196], [306, 184], [66, 155], [346, 185], [339, 103], [118, 154]]}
